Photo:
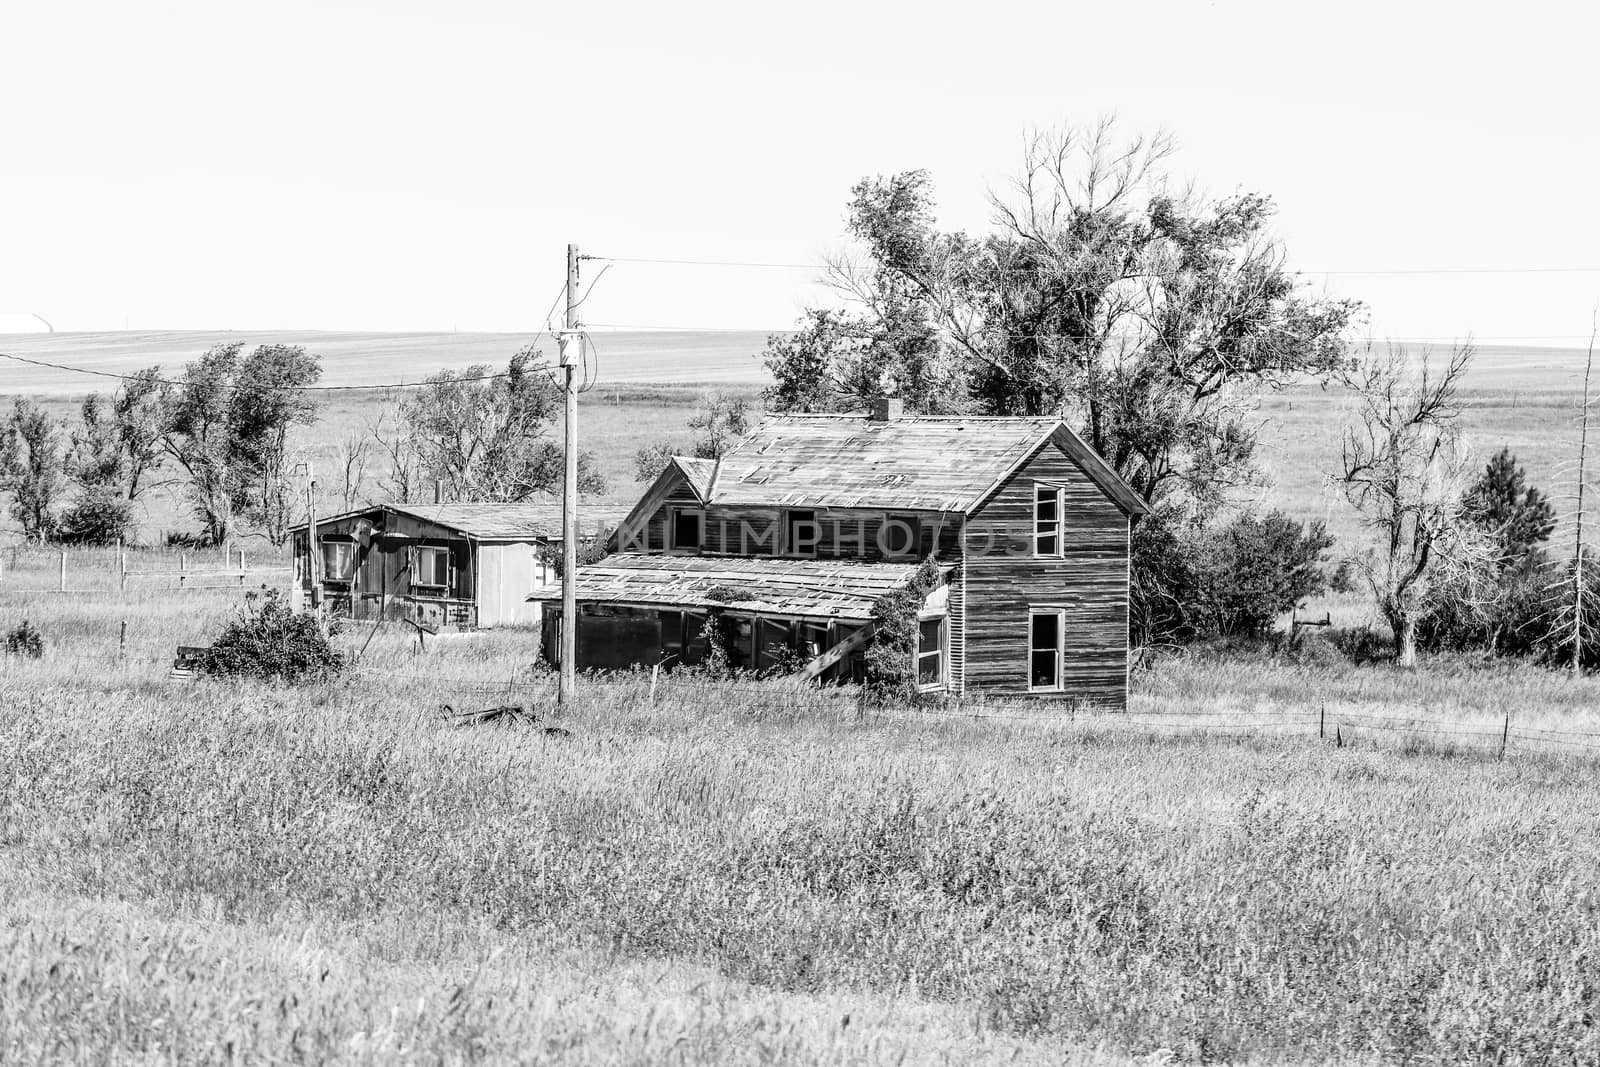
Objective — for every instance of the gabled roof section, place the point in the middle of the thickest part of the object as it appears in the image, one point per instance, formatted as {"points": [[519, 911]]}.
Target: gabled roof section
{"points": [[698, 473], [806, 588], [920, 462]]}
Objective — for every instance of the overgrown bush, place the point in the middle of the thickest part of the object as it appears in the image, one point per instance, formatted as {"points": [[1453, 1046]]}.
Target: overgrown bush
{"points": [[270, 641], [25, 640], [891, 657], [1190, 582], [98, 517]]}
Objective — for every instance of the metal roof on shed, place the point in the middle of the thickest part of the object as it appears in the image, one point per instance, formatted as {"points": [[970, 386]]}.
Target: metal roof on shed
{"points": [[809, 588], [487, 522]]}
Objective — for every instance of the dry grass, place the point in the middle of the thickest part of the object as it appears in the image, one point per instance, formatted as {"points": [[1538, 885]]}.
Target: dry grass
{"points": [[195, 872]]}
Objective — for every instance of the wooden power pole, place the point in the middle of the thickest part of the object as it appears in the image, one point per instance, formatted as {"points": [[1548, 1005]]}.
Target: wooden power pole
{"points": [[571, 339]]}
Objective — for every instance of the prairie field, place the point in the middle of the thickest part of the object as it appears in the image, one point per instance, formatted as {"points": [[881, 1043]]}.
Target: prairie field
{"points": [[1272, 857]]}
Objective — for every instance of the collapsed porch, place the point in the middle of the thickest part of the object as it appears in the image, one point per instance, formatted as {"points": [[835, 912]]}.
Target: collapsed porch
{"points": [[810, 618]]}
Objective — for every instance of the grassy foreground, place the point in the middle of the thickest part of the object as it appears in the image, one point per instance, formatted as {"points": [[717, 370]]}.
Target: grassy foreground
{"points": [[196, 872]]}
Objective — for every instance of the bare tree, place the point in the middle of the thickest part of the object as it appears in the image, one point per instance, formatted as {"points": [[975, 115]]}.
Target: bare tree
{"points": [[1404, 469], [403, 482], [352, 453]]}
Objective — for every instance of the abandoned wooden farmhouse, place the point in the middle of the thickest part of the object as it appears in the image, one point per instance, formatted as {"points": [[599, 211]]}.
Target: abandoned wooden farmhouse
{"points": [[794, 535], [442, 566]]}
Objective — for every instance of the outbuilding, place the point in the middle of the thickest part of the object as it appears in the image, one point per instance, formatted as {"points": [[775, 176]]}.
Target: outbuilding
{"points": [[443, 566]]}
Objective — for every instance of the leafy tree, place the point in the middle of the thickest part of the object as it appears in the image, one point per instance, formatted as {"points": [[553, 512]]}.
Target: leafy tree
{"points": [[116, 445], [721, 419], [1149, 317], [32, 468], [1256, 568], [485, 435], [228, 425], [1402, 469], [1502, 503]]}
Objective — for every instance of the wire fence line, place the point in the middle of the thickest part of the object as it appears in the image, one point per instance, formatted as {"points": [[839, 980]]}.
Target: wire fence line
{"points": [[1334, 725]]}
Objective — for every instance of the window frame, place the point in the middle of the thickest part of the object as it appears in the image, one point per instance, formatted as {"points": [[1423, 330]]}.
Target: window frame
{"points": [[416, 570], [790, 521], [942, 651], [672, 529], [1059, 651], [1043, 491], [346, 551], [908, 518]]}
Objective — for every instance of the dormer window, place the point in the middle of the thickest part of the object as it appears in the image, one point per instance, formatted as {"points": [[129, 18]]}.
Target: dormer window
{"points": [[1047, 508], [688, 530]]}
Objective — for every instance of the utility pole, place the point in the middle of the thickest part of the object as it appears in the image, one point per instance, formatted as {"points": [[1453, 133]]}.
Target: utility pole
{"points": [[570, 340], [1578, 575], [313, 557]]}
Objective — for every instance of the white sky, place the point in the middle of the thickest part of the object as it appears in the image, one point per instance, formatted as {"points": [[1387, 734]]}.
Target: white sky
{"points": [[407, 166]]}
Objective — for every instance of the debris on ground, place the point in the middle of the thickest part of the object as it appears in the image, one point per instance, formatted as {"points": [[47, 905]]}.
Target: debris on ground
{"points": [[506, 713]]}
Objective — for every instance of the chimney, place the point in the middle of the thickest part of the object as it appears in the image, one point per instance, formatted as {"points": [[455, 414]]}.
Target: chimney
{"points": [[438, 490], [886, 409]]}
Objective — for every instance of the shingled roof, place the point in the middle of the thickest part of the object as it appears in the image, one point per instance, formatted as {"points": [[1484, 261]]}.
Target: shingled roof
{"points": [[916, 462], [806, 588], [698, 473]]}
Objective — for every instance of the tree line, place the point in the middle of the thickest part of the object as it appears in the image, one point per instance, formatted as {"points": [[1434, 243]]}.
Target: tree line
{"points": [[1153, 318], [227, 433]]}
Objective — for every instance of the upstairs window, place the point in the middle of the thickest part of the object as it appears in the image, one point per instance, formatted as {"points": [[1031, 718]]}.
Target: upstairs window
{"points": [[338, 560], [430, 569], [801, 533], [1046, 520], [688, 527]]}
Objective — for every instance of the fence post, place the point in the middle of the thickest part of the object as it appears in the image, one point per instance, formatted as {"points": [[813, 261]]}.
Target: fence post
{"points": [[183, 567], [63, 570], [122, 558], [655, 673], [1322, 722], [241, 567], [122, 642], [1505, 734]]}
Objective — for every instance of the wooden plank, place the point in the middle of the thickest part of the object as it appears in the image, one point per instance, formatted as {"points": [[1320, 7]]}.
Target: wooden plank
{"points": [[837, 653]]}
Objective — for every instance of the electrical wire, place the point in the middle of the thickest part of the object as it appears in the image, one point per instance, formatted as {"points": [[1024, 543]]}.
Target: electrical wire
{"points": [[1035, 270], [304, 388]]}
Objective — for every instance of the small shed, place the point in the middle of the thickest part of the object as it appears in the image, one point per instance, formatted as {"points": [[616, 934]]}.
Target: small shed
{"points": [[458, 566]]}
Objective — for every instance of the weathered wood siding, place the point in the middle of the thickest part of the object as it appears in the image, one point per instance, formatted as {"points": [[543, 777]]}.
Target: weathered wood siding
{"points": [[845, 533], [1004, 580]]}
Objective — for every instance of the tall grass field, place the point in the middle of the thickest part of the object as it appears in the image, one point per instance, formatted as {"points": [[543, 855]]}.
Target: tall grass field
{"points": [[1273, 857]]}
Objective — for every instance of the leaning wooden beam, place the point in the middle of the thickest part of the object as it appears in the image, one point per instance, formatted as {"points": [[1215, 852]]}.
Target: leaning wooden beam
{"points": [[836, 653]]}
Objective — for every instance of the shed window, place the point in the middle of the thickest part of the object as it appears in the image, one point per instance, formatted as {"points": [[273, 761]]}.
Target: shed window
{"points": [[687, 529], [930, 653], [801, 533], [1045, 630], [431, 568], [338, 560], [1046, 520]]}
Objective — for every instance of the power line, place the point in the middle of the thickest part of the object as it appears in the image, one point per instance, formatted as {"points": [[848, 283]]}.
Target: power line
{"points": [[304, 388], [1036, 270]]}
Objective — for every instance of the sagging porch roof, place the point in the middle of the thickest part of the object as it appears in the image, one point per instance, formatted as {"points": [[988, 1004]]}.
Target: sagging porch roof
{"points": [[760, 585]]}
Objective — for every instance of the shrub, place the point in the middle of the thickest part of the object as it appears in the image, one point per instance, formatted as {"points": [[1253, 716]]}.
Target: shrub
{"points": [[98, 517], [270, 641], [25, 640], [1189, 583], [891, 657]]}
